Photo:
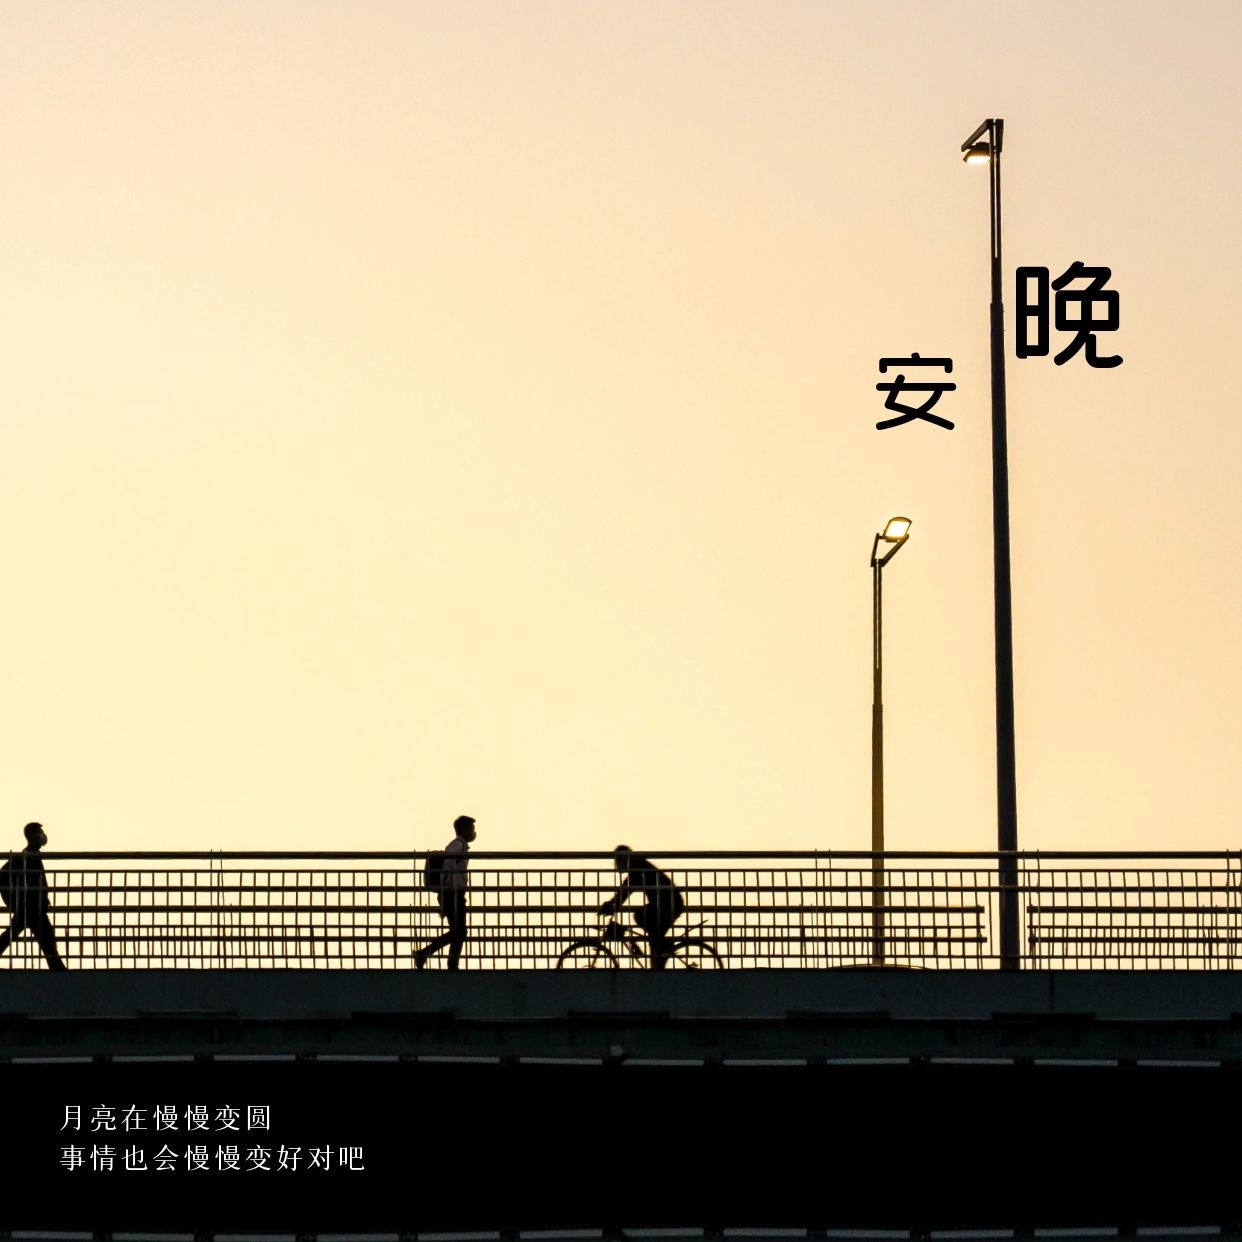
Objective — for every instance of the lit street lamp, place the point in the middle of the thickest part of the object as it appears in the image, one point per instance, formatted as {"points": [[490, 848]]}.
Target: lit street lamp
{"points": [[896, 532], [980, 150]]}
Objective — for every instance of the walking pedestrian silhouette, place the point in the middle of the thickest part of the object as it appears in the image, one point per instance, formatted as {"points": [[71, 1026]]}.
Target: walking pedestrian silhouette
{"points": [[451, 895], [23, 889]]}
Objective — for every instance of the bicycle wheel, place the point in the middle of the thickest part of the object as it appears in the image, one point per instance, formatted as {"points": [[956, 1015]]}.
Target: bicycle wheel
{"points": [[693, 954], [587, 955]]}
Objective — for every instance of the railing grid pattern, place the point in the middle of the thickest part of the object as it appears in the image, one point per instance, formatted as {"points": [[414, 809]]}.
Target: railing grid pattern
{"points": [[807, 911], [1132, 918]]}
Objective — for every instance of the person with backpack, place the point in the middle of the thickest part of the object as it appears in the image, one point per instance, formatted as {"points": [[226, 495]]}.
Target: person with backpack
{"points": [[662, 906], [23, 889], [445, 875]]}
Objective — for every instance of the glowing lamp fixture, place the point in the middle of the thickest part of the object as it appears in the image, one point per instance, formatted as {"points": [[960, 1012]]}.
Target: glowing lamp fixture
{"points": [[896, 532], [978, 153]]}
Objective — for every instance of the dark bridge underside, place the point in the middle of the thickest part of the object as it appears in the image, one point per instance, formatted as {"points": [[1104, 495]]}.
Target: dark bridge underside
{"points": [[713, 1016], [830, 1100], [469, 1147]]}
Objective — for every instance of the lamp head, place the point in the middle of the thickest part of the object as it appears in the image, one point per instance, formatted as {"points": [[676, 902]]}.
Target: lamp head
{"points": [[896, 532], [979, 150]]}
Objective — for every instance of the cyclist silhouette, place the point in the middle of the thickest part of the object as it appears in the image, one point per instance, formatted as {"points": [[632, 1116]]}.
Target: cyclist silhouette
{"points": [[663, 903]]}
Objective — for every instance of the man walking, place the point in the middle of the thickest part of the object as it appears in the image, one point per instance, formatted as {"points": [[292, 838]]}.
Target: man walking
{"points": [[23, 888], [451, 894]]}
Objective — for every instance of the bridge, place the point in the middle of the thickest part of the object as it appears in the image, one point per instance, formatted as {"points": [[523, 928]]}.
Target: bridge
{"points": [[850, 1028], [804, 911]]}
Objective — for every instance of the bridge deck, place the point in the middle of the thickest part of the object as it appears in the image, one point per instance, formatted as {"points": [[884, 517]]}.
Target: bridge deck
{"points": [[870, 1097], [708, 1016]]}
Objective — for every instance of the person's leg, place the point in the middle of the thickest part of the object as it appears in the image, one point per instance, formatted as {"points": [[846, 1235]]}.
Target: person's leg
{"points": [[656, 924], [661, 947], [16, 926], [668, 908], [444, 897], [456, 916], [45, 934]]}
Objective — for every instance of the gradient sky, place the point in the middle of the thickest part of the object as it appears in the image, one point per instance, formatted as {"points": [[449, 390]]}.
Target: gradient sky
{"points": [[410, 409]]}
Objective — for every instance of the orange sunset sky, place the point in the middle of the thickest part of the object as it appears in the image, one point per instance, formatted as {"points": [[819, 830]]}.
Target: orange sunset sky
{"points": [[409, 409]]}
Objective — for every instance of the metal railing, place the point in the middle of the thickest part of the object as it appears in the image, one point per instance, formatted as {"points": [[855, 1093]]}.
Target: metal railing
{"points": [[783, 910]]}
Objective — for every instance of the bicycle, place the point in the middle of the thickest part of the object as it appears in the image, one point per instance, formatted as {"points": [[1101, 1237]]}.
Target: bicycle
{"points": [[686, 952]]}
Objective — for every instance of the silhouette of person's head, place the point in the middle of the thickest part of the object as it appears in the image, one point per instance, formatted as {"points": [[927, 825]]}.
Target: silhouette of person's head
{"points": [[36, 838], [463, 825], [621, 857]]}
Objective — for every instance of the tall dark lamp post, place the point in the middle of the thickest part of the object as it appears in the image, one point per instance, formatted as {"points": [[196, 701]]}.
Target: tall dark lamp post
{"points": [[984, 147], [896, 532]]}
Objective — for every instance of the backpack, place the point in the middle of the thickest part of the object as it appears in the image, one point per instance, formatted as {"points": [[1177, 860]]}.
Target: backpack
{"points": [[433, 871]]}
